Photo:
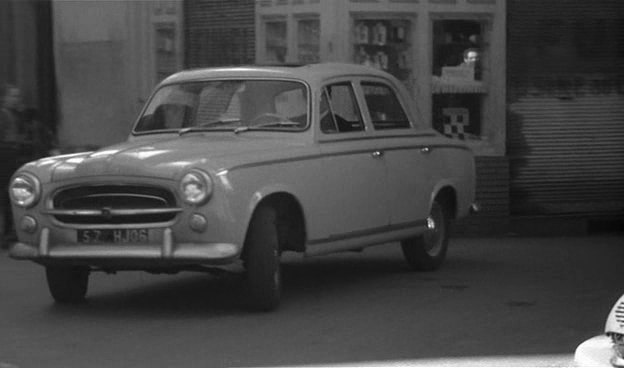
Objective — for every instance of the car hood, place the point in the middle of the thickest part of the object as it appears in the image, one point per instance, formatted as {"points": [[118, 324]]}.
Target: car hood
{"points": [[167, 158]]}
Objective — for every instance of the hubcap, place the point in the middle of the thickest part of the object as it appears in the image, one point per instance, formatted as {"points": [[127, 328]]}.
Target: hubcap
{"points": [[431, 224], [432, 237]]}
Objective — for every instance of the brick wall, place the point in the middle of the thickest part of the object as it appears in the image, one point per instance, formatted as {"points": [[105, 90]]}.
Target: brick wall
{"points": [[492, 195]]}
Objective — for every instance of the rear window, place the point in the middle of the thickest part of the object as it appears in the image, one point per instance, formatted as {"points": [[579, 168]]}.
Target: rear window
{"points": [[385, 109]]}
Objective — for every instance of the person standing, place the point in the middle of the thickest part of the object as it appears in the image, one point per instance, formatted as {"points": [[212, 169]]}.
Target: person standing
{"points": [[11, 120], [472, 58]]}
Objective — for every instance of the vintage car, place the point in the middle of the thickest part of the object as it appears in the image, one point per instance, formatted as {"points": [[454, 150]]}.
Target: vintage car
{"points": [[233, 166], [606, 350]]}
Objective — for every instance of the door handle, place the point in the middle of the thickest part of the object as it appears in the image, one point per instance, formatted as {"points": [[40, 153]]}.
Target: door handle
{"points": [[377, 154], [425, 150]]}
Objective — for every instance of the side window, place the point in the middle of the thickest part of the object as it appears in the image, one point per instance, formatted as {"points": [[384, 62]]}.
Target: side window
{"points": [[339, 110], [384, 107]]}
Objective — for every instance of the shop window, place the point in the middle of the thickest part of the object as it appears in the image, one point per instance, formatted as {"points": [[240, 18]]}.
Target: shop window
{"points": [[458, 49], [339, 110], [459, 82], [384, 107], [383, 44], [457, 115], [308, 41], [276, 41]]}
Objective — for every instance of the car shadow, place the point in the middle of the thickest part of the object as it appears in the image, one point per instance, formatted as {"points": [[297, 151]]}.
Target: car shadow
{"points": [[193, 294]]}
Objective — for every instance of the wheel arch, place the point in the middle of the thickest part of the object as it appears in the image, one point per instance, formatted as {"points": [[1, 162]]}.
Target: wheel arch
{"points": [[291, 226], [446, 195]]}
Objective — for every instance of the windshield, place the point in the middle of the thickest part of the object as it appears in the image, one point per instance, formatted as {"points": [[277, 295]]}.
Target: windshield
{"points": [[227, 105]]}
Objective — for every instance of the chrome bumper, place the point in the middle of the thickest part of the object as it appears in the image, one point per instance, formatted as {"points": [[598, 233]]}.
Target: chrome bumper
{"points": [[167, 250]]}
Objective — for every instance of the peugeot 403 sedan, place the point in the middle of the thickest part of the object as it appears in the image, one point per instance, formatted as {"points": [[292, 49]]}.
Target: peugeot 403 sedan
{"points": [[234, 166]]}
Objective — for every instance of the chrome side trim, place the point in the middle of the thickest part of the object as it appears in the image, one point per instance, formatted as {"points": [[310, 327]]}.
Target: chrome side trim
{"points": [[363, 239]]}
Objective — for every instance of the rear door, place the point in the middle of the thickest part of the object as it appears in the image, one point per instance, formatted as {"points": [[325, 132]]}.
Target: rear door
{"points": [[406, 153], [353, 166]]}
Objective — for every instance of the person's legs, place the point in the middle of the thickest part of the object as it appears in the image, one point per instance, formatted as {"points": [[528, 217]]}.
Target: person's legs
{"points": [[7, 231]]}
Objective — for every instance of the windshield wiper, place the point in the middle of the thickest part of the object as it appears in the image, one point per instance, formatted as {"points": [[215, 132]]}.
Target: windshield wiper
{"points": [[276, 124], [204, 126]]}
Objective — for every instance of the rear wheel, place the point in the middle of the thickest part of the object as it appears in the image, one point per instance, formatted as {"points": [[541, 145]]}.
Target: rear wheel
{"points": [[428, 251], [67, 284], [262, 261]]}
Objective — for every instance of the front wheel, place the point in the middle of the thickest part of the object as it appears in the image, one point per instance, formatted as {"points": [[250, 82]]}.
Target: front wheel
{"points": [[67, 284], [428, 251], [262, 261]]}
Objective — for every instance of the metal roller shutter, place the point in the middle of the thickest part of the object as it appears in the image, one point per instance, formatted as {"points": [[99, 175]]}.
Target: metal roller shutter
{"points": [[567, 156], [565, 123], [219, 32]]}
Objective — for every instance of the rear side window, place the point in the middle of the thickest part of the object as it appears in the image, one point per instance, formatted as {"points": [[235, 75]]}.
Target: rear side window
{"points": [[384, 107], [339, 110]]}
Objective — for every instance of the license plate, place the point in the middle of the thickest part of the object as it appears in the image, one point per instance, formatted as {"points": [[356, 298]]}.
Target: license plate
{"points": [[113, 236]]}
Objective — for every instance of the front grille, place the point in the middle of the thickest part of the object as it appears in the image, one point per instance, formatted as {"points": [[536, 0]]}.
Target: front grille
{"points": [[114, 204]]}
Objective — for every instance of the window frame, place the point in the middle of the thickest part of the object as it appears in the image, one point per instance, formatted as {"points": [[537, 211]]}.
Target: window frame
{"points": [[355, 95]]}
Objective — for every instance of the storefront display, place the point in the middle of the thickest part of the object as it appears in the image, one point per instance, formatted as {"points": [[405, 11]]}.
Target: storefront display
{"points": [[458, 85], [383, 44]]}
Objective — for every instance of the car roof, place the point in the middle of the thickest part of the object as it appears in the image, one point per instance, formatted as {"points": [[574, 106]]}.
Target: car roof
{"points": [[310, 72]]}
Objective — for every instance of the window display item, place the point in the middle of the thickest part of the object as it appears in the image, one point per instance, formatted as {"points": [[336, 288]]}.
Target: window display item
{"points": [[380, 34], [455, 121], [361, 33]]}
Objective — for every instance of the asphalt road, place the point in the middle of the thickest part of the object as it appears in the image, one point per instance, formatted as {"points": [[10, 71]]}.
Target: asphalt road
{"points": [[496, 302]]}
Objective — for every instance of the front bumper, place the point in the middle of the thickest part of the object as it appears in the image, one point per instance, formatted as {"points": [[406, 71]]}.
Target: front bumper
{"points": [[164, 252]]}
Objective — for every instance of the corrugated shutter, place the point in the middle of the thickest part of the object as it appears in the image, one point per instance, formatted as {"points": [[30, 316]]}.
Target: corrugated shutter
{"points": [[565, 124], [219, 32], [567, 156]]}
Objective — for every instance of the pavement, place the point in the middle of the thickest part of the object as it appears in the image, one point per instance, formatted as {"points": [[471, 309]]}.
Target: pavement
{"points": [[505, 301]]}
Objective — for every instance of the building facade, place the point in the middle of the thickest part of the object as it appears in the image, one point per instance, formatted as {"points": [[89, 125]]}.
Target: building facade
{"points": [[109, 56], [543, 107], [27, 62]]}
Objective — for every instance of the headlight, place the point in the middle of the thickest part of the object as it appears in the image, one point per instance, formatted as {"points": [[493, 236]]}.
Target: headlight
{"points": [[196, 187], [25, 190]]}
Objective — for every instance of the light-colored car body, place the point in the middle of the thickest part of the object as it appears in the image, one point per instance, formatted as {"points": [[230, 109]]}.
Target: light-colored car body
{"points": [[333, 191], [606, 350]]}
